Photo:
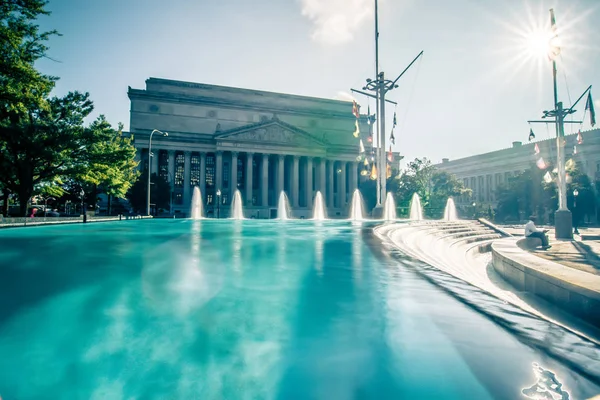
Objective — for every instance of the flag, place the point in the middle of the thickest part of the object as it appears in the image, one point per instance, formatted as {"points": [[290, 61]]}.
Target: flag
{"points": [[390, 156], [536, 149], [547, 177], [531, 134], [579, 138], [394, 119], [589, 106], [357, 130], [388, 171], [574, 150], [361, 147], [373, 172], [355, 109], [366, 162], [541, 164], [392, 138]]}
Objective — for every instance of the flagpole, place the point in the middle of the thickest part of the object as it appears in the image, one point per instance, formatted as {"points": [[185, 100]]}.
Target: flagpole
{"points": [[377, 107]]}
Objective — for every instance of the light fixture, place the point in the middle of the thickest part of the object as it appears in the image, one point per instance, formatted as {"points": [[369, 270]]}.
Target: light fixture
{"points": [[575, 192]]}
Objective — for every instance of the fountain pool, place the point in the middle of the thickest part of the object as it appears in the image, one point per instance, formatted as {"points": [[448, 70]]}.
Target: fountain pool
{"points": [[217, 309]]}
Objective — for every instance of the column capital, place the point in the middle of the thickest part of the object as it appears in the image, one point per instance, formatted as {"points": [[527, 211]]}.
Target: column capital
{"points": [[171, 152], [265, 156], [281, 157], [202, 154], [250, 153], [296, 158], [187, 153], [219, 152], [234, 153]]}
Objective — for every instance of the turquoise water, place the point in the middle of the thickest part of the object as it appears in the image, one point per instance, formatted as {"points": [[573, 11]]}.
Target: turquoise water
{"points": [[216, 309]]}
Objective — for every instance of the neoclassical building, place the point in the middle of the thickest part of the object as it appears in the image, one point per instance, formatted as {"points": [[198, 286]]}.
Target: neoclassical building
{"points": [[483, 173], [260, 143]]}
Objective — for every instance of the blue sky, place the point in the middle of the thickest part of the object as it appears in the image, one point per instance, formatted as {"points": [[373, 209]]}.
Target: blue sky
{"points": [[473, 91]]}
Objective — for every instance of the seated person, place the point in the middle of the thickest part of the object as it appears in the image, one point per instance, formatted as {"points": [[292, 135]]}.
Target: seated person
{"points": [[533, 232]]}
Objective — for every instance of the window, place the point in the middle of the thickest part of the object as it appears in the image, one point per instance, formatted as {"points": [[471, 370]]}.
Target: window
{"points": [[224, 198], [195, 170], [209, 198], [240, 174], [163, 164], [209, 175], [254, 200], [226, 174], [179, 198], [179, 169]]}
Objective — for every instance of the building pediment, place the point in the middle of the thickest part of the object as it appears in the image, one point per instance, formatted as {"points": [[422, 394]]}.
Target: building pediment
{"points": [[271, 132]]}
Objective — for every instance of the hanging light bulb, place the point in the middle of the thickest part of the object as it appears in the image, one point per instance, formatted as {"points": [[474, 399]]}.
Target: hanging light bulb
{"points": [[359, 158], [373, 173], [364, 172]]}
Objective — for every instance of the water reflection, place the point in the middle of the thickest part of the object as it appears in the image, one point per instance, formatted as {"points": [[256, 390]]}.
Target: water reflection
{"points": [[547, 386], [357, 255], [319, 242], [236, 244]]}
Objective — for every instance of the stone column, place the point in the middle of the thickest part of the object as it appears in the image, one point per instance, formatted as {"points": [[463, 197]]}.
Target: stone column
{"points": [[280, 171], [203, 174], [342, 182], [233, 179], [353, 177], [249, 173], [295, 183], [329, 183], [322, 178], [219, 171], [187, 198], [172, 168], [264, 184], [309, 182]]}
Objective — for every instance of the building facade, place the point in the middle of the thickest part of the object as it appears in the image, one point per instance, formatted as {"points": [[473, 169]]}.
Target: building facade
{"points": [[223, 139], [484, 173]]}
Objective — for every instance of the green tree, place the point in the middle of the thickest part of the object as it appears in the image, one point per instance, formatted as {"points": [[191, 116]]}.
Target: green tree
{"points": [[110, 165], [22, 87], [416, 178], [443, 186], [160, 191]]}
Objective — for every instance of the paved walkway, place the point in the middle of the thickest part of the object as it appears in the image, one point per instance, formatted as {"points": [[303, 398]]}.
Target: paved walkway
{"points": [[583, 255]]}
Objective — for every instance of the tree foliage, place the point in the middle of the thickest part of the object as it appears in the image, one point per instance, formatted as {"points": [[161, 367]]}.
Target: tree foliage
{"points": [[43, 140], [434, 187], [527, 193]]}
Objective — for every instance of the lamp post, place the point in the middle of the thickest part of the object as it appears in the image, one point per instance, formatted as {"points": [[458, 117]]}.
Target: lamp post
{"points": [[218, 203], [563, 219], [81, 194], [575, 212], [150, 167]]}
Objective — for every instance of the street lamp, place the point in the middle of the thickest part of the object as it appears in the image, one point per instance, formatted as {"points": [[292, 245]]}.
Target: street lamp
{"points": [[149, 165], [81, 194], [218, 203], [575, 212], [563, 218]]}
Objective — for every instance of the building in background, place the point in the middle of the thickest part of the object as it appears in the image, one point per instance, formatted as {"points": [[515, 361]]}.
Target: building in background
{"points": [[483, 173], [260, 143]]}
